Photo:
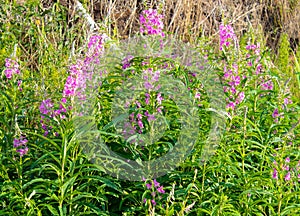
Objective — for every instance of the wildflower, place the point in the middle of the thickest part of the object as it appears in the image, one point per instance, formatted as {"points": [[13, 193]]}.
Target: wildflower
{"points": [[159, 109], [46, 107], [275, 113], [258, 70], [161, 190], [126, 62], [268, 85], [287, 101], [151, 22], [140, 123], [19, 85], [159, 98], [197, 95], [147, 99], [226, 34], [21, 146], [275, 174], [148, 85], [156, 76], [288, 176], [233, 90], [240, 97], [12, 67], [150, 117], [235, 81], [95, 48], [230, 105], [22, 151], [156, 184], [153, 202], [149, 186]]}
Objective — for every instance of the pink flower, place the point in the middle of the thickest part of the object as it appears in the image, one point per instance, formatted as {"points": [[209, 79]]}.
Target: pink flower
{"points": [[275, 174], [161, 190], [126, 62], [150, 117], [140, 123], [240, 97], [287, 101], [22, 151], [288, 176], [153, 202], [275, 113], [151, 23], [230, 105], [258, 69], [156, 184], [159, 109], [159, 98], [149, 186], [268, 85], [12, 67], [46, 106], [226, 34], [21, 146]]}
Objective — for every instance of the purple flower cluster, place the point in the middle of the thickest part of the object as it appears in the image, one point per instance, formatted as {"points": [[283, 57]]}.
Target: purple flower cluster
{"points": [[226, 35], [287, 101], [155, 189], [12, 67], [266, 85], [135, 124], [75, 84], [276, 115], [151, 78], [233, 80], [47, 109], [254, 50], [287, 170], [95, 49], [151, 22], [126, 62], [21, 146]]}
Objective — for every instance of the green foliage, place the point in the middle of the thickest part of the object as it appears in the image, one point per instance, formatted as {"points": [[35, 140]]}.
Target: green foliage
{"points": [[56, 176], [283, 54]]}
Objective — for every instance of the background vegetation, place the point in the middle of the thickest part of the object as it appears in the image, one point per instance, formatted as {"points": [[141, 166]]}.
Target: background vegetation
{"points": [[256, 168]]}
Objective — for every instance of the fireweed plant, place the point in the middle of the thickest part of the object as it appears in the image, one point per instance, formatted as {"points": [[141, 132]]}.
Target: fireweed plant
{"points": [[260, 107], [44, 171]]}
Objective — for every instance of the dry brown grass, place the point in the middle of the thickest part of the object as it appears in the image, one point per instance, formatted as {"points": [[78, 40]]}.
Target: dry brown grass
{"points": [[189, 19]]}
